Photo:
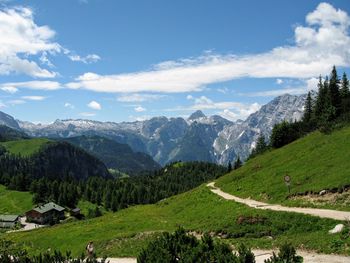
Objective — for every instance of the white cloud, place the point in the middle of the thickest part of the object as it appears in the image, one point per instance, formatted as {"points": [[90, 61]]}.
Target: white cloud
{"points": [[21, 38], [35, 85], [136, 97], [87, 114], [189, 97], [9, 89], [94, 105], [16, 102], [309, 84], [139, 109], [319, 45], [279, 81], [139, 118], [35, 98], [91, 58], [69, 105], [23, 43]]}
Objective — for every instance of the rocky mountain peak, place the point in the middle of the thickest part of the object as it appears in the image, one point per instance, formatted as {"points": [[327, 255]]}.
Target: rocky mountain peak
{"points": [[196, 115]]}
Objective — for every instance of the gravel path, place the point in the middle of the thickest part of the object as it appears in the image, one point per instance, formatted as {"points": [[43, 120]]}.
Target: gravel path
{"points": [[261, 255], [325, 213]]}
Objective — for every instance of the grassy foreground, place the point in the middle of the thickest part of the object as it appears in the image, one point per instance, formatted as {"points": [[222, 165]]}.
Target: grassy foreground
{"points": [[14, 202], [124, 233], [25, 147], [315, 162]]}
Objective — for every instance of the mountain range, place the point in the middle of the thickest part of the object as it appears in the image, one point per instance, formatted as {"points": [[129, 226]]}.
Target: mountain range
{"points": [[199, 137]]}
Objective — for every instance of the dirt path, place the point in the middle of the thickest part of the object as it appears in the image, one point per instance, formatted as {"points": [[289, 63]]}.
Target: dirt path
{"points": [[261, 255], [325, 213]]}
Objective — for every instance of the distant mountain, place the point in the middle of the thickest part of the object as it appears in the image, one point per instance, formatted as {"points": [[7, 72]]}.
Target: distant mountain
{"points": [[8, 121], [49, 159], [9, 134], [200, 137], [115, 155]]}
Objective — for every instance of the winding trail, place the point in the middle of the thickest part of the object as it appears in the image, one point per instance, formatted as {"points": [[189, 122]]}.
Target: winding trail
{"points": [[325, 213]]}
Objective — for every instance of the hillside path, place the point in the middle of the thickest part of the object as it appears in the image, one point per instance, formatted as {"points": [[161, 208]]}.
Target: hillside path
{"points": [[261, 255], [325, 213]]}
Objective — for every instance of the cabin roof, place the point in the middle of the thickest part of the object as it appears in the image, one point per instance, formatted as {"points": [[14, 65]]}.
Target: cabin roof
{"points": [[8, 218], [48, 207]]}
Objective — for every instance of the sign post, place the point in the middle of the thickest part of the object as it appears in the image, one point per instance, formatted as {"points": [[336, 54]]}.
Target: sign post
{"points": [[287, 180]]}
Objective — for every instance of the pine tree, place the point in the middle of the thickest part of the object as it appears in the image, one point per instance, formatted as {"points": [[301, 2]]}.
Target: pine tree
{"points": [[334, 83], [238, 163], [320, 101], [308, 109], [344, 90], [229, 167]]}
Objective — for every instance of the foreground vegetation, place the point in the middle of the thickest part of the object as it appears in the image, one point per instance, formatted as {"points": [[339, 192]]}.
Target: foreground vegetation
{"points": [[316, 162], [128, 231]]}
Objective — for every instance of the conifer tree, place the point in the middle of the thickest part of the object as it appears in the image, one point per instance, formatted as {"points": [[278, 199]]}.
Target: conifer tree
{"points": [[308, 108], [238, 163], [344, 90], [334, 83]]}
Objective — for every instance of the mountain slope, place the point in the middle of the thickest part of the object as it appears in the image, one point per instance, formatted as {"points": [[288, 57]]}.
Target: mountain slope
{"points": [[8, 120], [314, 163], [36, 158], [115, 155], [9, 134]]}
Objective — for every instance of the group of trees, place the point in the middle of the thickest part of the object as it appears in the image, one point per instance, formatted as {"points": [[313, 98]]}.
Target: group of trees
{"points": [[113, 194]]}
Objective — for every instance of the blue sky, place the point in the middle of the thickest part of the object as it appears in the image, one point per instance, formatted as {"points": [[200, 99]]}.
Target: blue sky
{"points": [[131, 60]]}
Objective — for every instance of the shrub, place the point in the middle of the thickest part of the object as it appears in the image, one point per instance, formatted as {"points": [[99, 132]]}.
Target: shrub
{"points": [[287, 254]]}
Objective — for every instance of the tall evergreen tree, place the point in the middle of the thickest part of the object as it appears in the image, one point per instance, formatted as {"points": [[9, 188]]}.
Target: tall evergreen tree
{"points": [[238, 163], [308, 108], [334, 84], [344, 90]]}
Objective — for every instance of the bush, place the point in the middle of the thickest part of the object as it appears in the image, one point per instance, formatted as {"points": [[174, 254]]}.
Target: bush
{"points": [[181, 247], [287, 254]]}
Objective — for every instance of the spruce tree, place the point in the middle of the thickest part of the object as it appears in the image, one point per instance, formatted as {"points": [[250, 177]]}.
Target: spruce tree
{"points": [[308, 109], [344, 90], [320, 100], [261, 145], [334, 83], [238, 163]]}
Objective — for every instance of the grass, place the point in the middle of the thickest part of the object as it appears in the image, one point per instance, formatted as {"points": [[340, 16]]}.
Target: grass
{"points": [[314, 163], [14, 202], [126, 232], [26, 147]]}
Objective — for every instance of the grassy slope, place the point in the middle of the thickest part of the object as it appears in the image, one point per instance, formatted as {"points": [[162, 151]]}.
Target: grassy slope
{"points": [[314, 163], [124, 233], [14, 202], [25, 147]]}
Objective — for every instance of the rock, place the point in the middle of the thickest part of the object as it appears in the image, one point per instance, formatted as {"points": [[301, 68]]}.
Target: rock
{"points": [[323, 192], [337, 229]]}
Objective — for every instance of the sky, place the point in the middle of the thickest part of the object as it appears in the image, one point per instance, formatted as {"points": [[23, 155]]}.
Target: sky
{"points": [[128, 60]]}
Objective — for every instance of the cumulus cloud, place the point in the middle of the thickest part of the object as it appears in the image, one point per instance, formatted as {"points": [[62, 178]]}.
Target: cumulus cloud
{"points": [[137, 97], [69, 105], [91, 58], [324, 41], [94, 105], [35, 98], [279, 81], [20, 39], [22, 42], [139, 109]]}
